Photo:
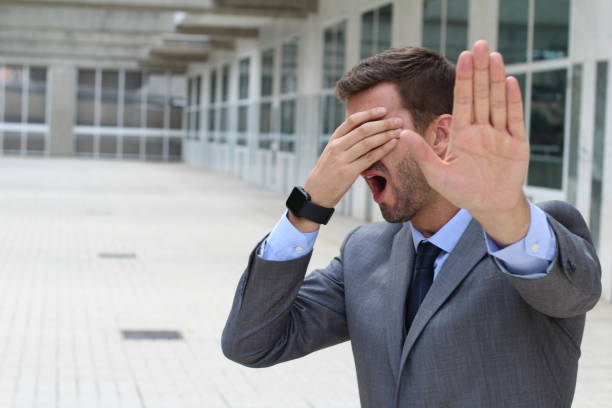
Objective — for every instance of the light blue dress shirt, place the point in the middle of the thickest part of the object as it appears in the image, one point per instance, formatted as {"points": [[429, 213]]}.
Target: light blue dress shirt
{"points": [[528, 258]]}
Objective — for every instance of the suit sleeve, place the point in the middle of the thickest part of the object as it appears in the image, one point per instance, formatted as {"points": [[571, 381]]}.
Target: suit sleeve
{"points": [[278, 315], [572, 284]]}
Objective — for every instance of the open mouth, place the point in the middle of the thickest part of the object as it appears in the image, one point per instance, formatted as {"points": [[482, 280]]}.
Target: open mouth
{"points": [[377, 183]]}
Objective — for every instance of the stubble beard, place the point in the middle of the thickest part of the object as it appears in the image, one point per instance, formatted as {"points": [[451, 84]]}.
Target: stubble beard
{"points": [[411, 192]]}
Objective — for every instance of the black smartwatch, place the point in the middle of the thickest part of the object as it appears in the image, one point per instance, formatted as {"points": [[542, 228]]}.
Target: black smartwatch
{"points": [[300, 205]]}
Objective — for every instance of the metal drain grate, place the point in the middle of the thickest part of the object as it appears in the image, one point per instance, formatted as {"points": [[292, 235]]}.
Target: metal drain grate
{"points": [[117, 255], [151, 335]]}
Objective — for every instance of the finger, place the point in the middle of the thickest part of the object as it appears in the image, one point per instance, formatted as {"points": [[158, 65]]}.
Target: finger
{"points": [[516, 121], [357, 119], [373, 156], [371, 143], [481, 82], [462, 99], [431, 165], [369, 129], [498, 91]]}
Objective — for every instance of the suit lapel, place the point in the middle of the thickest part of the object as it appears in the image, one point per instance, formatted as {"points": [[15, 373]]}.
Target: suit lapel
{"points": [[400, 273], [467, 253]]}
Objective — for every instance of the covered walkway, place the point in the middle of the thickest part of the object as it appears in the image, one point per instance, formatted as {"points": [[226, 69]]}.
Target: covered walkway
{"points": [[97, 255]]}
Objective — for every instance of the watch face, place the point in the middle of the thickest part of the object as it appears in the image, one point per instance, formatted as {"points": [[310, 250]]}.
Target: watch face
{"points": [[296, 200]]}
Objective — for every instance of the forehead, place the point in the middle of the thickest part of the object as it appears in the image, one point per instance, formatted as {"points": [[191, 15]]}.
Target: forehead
{"points": [[384, 94]]}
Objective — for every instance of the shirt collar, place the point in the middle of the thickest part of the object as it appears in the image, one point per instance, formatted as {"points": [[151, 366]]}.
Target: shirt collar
{"points": [[447, 237]]}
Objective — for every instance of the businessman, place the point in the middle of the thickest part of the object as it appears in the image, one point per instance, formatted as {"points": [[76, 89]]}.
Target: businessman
{"points": [[469, 295]]}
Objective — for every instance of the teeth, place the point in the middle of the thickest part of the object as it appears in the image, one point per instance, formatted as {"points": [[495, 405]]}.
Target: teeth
{"points": [[369, 177]]}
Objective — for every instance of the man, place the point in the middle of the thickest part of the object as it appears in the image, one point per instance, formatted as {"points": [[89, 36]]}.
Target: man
{"points": [[469, 295]]}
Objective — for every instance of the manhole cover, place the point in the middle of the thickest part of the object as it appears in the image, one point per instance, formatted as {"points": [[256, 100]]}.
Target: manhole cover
{"points": [[117, 255], [151, 335]]}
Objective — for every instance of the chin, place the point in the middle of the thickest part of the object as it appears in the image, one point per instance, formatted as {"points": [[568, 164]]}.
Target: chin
{"points": [[392, 215]]}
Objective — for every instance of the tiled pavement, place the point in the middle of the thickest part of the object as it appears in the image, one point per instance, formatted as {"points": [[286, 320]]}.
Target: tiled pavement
{"points": [[184, 235]]}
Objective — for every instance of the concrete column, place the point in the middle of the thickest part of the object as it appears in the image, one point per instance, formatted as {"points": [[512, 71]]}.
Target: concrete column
{"points": [[407, 23], [63, 110], [483, 22]]}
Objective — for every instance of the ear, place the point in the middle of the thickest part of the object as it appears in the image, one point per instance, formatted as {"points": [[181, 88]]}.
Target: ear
{"points": [[438, 134]]}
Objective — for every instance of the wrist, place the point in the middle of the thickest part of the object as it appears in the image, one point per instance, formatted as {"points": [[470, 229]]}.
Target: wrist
{"points": [[302, 224], [319, 197], [507, 227]]}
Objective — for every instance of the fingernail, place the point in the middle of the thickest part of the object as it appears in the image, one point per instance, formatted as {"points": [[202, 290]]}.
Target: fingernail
{"points": [[392, 142], [380, 111], [398, 131], [397, 122]]}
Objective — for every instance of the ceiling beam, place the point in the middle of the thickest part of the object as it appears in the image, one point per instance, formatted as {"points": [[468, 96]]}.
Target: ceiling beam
{"points": [[217, 30], [69, 18], [195, 6], [163, 64], [306, 6], [59, 49]]}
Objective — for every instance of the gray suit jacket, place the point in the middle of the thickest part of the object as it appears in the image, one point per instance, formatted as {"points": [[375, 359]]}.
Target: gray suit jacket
{"points": [[481, 338]]}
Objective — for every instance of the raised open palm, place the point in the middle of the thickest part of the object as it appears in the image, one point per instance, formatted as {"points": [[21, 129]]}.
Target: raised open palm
{"points": [[488, 153]]}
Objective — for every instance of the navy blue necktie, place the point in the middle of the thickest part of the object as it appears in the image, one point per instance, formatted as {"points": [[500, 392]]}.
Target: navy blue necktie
{"points": [[422, 277]]}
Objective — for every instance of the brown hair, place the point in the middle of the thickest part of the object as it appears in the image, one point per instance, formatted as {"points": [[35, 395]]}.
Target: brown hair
{"points": [[424, 80]]}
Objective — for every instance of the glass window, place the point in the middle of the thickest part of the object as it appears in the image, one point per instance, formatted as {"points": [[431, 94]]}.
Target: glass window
{"points": [[37, 95], [243, 80], [551, 29], [110, 98], [11, 143], [225, 83], [108, 146], [267, 72], [334, 54], [385, 19], [333, 115], [132, 99], [289, 66], [13, 93], [213, 87], [287, 142], [212, 119], [376, 30], [84, 145], [445, 26], [223, 124], [512, 30], [599, 137], [265, 125], [547, 128], [432, 24], [35, 143], [574, 134], [243, 123], [198, 89], [175, 148], [131, 146], [367, 34], [176, 101], [154, 147], [457, 15], [86, 96], [190, 93], [157, 89]]}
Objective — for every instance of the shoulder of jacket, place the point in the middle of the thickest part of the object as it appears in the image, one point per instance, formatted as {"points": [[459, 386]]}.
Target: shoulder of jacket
{"points": [[375, 232]]}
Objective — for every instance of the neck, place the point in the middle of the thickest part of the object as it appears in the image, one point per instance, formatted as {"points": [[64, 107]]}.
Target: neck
{"points": [[433, 216]]}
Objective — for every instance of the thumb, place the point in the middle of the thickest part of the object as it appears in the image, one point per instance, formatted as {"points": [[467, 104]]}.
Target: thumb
{"points": [[431, 165], [427, 159]]}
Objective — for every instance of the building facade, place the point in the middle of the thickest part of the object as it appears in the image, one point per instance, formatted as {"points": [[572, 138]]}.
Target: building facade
{"points": [[265, 109]]}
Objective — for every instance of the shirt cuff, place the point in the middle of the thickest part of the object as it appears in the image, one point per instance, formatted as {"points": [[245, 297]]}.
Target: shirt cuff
{"points": [[286, 242], [530, 257]]}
